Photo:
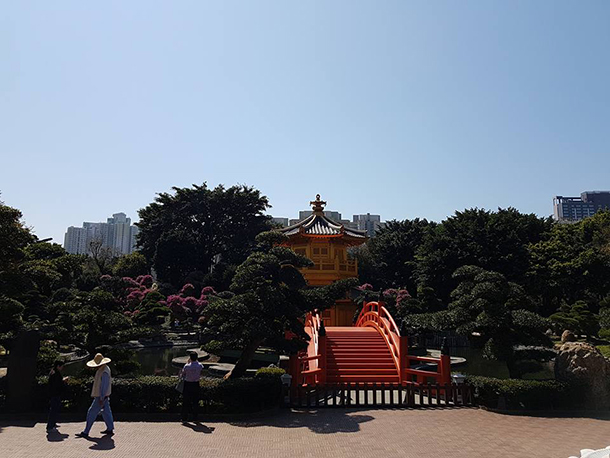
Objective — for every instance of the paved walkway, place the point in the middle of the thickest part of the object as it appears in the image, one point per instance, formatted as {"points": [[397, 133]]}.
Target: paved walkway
{"points": [[332, 433]]}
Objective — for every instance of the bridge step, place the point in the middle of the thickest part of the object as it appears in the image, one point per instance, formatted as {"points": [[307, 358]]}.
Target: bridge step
{"points": [[360, 371], [358, 355], [361, 358], [362, 378], [362, 365]]}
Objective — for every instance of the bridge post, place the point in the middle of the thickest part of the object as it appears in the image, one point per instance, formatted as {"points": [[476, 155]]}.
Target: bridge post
{"points": [[322, 353], [403, 351], [295, 370], [445, 364]]}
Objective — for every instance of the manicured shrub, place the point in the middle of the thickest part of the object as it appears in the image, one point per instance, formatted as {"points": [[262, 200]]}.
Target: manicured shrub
{"points": [[47, 354], [522, 394], [271, 372], [151, 394]]}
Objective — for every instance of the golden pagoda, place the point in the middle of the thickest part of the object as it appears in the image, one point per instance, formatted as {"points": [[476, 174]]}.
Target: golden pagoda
{"points": [[325, 242]]}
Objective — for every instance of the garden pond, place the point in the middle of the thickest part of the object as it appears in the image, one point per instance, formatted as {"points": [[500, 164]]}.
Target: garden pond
{"points": [[158, 361]]}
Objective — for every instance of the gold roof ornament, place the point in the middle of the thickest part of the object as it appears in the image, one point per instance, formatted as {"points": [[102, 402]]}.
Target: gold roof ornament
{"points": [[317, 205]]}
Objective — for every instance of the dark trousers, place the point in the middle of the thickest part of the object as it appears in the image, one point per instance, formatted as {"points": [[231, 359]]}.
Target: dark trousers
{"points": [[190, 400], [54, 406]]}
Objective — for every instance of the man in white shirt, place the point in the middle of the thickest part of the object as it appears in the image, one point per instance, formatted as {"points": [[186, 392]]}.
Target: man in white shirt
{"points": [[191, 374]]}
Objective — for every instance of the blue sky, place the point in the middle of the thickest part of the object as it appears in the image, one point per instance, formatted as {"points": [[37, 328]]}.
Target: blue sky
{"points": [[406, 109]]}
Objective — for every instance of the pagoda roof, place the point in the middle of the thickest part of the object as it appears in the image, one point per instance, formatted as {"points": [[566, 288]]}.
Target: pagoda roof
{"points": [[319, 225]]}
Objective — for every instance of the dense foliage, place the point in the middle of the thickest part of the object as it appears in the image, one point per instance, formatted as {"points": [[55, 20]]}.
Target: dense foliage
{"points": [[201, 231], [156, 394], [269, 298], [562, 269], [514, 394], [501, 278]]}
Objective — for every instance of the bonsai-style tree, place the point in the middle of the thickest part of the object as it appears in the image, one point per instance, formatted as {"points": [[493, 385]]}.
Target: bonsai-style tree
{"points": [[498, 313], [576, 318], [495, 313], [270, 299]]}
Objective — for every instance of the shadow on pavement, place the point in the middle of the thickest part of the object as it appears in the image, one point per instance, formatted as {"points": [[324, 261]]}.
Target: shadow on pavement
{"points": [[18, 424], [199, 427], [56, 436], [101, 443], [317, 421]]}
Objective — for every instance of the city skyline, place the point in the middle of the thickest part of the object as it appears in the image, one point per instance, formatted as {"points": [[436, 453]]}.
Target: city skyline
{"points": [[551, 213], [117, 234]]}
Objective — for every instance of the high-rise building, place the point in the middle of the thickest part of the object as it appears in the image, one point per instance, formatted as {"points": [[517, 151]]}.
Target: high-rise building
{"points": [[335, 216], [369, 223], [283, 222], [578, 208], [116, 234]]}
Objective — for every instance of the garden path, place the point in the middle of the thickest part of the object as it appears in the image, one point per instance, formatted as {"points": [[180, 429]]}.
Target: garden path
{"points": [[333, 433]]}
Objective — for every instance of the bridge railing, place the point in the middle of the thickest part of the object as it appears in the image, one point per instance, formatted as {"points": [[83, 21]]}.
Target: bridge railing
{"points": [[309, 367], [407, 395], [374, 314]]}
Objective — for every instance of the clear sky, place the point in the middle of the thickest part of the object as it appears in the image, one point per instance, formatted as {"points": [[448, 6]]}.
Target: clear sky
{"points": [[405, 109]]}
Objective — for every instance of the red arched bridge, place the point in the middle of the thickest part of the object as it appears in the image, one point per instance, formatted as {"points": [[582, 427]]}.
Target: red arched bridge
{"points": [[369, 362]]}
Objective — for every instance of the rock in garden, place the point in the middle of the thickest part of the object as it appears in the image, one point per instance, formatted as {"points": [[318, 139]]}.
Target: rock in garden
{"points": [[568, 336], [583, 363]]}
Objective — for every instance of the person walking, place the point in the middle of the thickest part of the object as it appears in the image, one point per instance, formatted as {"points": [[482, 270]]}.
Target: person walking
{"points": [[56, 388], [100, 392], [191, 374]]}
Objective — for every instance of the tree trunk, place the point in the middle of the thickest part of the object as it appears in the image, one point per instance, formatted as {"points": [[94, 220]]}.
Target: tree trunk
{"points": [[243, 363], [513, 370]]}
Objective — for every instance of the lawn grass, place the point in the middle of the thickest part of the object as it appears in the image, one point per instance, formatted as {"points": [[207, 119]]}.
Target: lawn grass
{"points": [[605, 349]]}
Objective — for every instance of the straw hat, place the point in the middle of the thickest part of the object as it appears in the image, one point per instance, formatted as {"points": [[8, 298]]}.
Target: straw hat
{"points": [[98, 361]]}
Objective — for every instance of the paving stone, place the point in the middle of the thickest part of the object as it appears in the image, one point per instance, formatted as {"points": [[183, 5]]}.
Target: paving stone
{"points": [[332, 433]]}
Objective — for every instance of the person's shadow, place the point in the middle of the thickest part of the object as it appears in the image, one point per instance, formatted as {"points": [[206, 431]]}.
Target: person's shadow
{"points": [[56, 436], [198, 427], [101, 443]]}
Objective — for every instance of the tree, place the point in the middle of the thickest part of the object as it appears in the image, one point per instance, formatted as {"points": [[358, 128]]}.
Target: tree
{"points": [[499, 313], [14, 237], [44, 251], [496, 314], [269, 299], [10, 316], [200, 229], [131, 265], [576, 318], [571, 263], [388, 259], [496, 241], [102, 255]]}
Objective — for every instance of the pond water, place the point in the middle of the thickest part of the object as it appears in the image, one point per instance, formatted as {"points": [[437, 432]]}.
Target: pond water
{"points": [[159, 361], [477, 365], [152, 360]]}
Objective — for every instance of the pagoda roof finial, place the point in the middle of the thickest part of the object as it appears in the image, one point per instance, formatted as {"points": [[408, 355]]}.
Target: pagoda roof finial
{"points": [[317, 205]]}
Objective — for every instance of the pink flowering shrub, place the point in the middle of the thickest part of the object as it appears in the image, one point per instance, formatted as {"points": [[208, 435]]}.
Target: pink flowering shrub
{"points": [[145, 280], [142, 302], [187, 290], [186, 304], [365, 287]]}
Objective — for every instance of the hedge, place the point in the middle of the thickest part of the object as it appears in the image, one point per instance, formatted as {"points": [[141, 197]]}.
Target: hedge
{"points": [[516, 394], [153, 394]]}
